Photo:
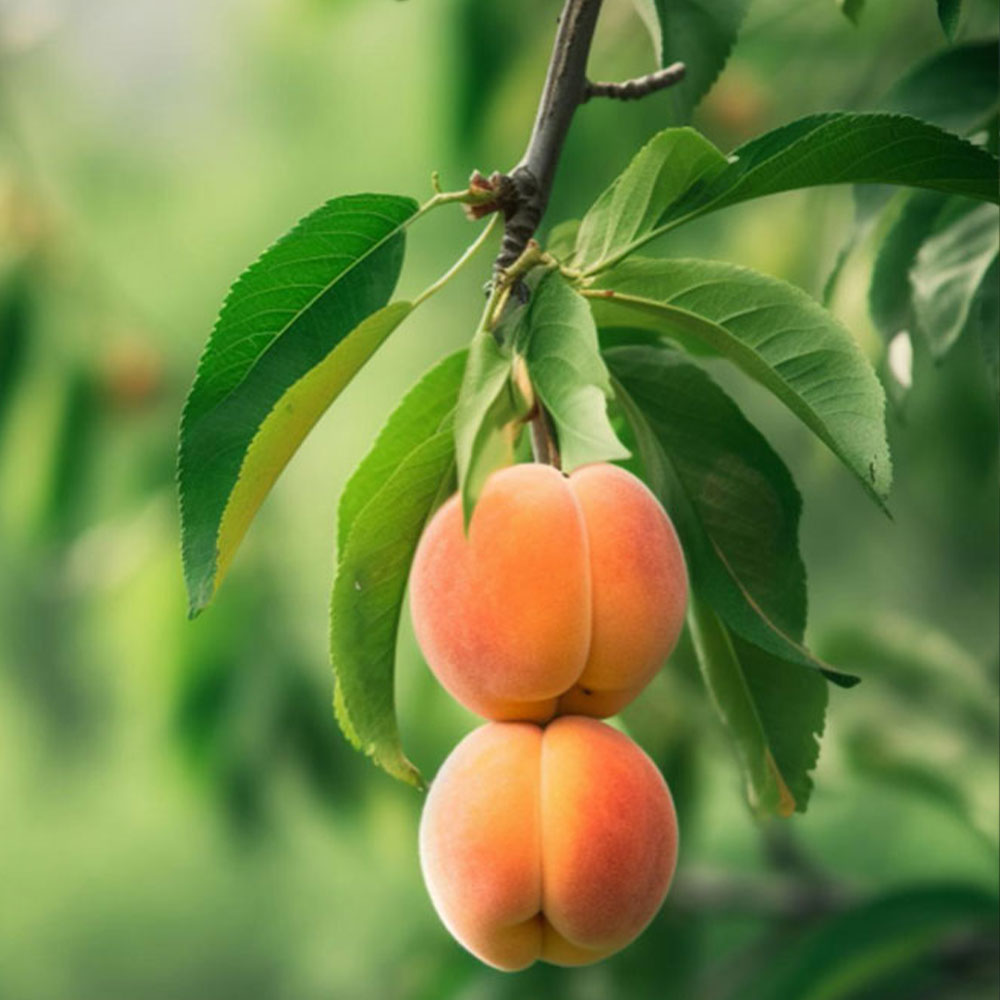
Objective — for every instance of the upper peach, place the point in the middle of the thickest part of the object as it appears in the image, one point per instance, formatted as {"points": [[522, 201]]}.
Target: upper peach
{"points": [[566, 594]]}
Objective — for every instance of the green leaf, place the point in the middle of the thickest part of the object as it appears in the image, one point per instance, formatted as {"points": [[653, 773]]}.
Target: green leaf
{"points": [[409, 471], [841, 148], [562, 239], [878, 753], [931, 269], [791, 704], [984, 321], [923, 669], [851, 9], [949, 271], [557, 338], [949, 14], [303, 304], [670, 164], [836, 148], [776, 334], [957, 88], [291, 420], [739, 516], [853, 953], [774, 712], [488, 406], [701, 33], [890, 294], [421, 414], [846, 148]]}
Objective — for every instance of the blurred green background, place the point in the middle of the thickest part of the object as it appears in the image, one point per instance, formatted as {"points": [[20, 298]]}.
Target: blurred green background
{"points": [[178, 815]]}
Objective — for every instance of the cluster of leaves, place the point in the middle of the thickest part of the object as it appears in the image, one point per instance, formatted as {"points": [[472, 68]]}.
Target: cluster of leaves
{"points": [[936, 274], [603, 328]]}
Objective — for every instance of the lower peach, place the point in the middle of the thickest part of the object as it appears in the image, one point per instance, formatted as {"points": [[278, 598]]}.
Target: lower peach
{"points": [[555, 843]]}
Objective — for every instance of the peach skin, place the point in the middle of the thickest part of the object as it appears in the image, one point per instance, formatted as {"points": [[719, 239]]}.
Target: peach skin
{"points": [[556, 844], [566, 595]]}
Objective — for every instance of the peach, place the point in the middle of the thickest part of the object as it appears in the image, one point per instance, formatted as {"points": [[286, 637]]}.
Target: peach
{"points": [[565, 596], [555, 843]]}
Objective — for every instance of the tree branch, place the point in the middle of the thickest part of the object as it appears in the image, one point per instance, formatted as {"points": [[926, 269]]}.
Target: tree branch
{"points": [[641, 86], [776, 896], [523, 195]]}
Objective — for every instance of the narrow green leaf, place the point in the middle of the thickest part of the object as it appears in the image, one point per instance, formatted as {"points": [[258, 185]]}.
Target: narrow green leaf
{"points": [[890, 294], [949, 271], [776, 334], [292, 309], [949, 14], [854, 953], [701, 33], [368, 595], [421, 413], [488, 406], [854, 236], [670, 164], [773, 710], [557, 337], [408, 472], [740, 509]]}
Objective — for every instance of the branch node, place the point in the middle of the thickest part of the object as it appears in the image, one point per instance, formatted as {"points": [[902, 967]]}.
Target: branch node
{"points": [[520, 199]]}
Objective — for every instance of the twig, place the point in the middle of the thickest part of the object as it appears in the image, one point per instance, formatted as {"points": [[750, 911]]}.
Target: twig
{"points": [[526, 188], [507, 279], [776, 896], [470, 252], [641, 86], [523, 194], [543, 443]]}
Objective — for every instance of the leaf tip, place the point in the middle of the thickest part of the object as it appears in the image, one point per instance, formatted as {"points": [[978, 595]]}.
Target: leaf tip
{"points": [[786, 804], [841, 679], [410, 774], [200, 594]]}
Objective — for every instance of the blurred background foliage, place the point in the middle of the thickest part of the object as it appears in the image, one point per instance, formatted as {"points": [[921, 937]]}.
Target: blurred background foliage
{"points": [[178, 814]]}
